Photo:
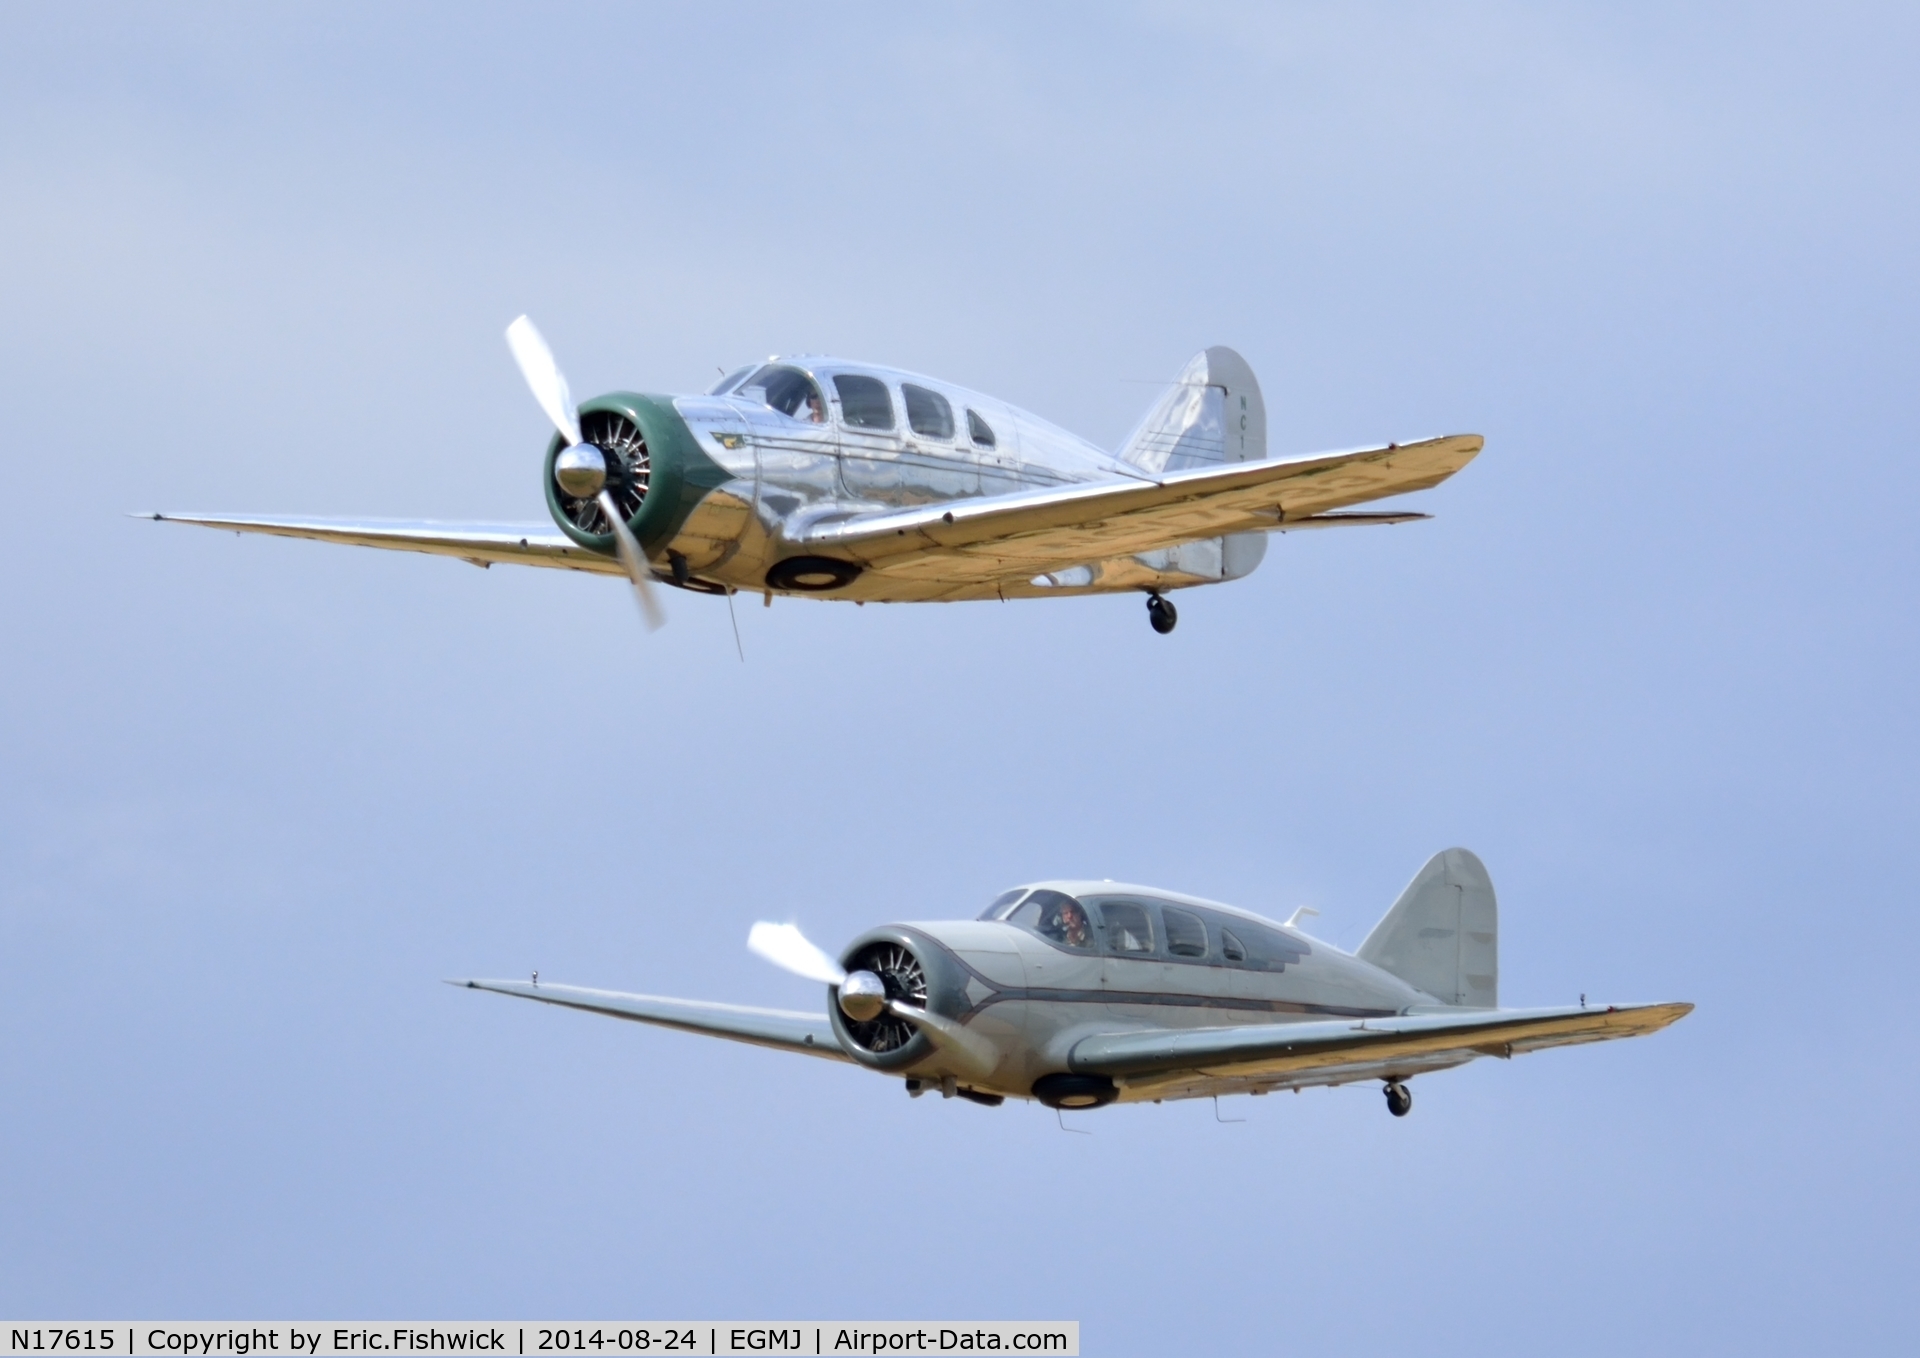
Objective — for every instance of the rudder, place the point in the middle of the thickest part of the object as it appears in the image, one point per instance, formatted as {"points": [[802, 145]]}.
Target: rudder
{"points": [[1442, 935], [1211, 414]]}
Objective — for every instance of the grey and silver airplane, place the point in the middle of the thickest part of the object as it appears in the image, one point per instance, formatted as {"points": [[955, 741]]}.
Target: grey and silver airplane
{"points": [[819, 476], [1080, 994]]}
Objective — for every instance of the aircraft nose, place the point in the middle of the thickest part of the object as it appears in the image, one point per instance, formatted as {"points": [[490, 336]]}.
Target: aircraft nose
{"points": [[581, 470], [862, 996]]}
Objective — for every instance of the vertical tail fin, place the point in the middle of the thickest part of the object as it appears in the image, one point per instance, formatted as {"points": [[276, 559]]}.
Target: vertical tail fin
{"points": [[1210, 415], [1442, 935]]}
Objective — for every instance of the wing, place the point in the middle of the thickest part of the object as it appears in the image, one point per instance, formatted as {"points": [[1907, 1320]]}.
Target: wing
{"points": [[1321, 1052], [808, 1034], [480, 543], [1029, 533]]}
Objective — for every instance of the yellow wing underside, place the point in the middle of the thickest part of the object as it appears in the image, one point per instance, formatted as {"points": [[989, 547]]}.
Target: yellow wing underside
{"points": [[989, 542]]}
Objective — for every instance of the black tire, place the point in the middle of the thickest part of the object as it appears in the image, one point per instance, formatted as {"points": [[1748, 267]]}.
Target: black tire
{"points": [[1162, 615], [812, 574], [1399, 1099], [1075, 1091]]}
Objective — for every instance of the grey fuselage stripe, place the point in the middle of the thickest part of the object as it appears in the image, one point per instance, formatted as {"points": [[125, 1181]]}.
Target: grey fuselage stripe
{"points": [[1171, 999]]}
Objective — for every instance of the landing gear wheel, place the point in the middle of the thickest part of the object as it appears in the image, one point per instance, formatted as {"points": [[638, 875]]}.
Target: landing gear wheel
{"points": [[1399, 1099], [1161, 614]]}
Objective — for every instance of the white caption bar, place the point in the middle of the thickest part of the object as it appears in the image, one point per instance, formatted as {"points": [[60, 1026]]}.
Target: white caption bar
{"points": [[541, 1339]]}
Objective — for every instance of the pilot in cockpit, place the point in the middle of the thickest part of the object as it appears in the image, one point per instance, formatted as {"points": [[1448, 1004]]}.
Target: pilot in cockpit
{"points": [[787, 390], [790, 392], [1065, 921]]}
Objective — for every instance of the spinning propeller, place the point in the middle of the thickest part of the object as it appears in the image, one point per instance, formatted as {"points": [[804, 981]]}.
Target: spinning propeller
{"points": [[581, 468], [863, 995]]}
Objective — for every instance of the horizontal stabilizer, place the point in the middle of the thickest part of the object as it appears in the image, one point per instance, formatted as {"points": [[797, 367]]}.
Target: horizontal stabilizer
{"points": [[1346, 521], [810, 1034]]}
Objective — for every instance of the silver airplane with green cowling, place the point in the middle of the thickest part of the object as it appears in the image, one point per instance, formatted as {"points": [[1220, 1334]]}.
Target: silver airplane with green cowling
{"points": [[823, 477], [1079, 994]]}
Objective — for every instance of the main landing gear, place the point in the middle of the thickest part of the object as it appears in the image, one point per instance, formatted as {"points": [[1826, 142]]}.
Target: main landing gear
{"points": [[1161, 614], [1399, 1099]]}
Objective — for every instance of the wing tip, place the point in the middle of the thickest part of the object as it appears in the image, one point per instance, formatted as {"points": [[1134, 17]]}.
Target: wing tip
{"points": [[521, 989], [1651, 1018]]}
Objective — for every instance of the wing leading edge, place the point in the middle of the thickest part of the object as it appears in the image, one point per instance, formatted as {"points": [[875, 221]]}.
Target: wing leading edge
{"points": [[783, 1029], [1321, 1048], [483, 544]]}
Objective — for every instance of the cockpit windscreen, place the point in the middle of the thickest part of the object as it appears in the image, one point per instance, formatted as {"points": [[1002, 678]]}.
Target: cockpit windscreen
{"points": [[787, 390], [731, 380], [1003, 904], [1057, 916]]}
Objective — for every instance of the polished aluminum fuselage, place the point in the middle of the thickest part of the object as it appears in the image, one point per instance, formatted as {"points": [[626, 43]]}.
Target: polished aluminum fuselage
{"points": [[790, 476]]}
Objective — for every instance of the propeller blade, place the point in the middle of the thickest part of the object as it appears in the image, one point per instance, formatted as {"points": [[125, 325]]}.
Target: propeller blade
{"points": [[628, 547], [544, 377], [786, 947], [960, 1042]]}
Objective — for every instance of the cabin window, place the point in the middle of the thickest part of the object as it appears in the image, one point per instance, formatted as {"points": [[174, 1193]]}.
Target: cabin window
{"points": [[1003, 904], [864, 401], [730, 381], [928, 413], [1186, 934], [1129, 927], [787, 390], [980, 431], [1261, 947], [1058, 916]]}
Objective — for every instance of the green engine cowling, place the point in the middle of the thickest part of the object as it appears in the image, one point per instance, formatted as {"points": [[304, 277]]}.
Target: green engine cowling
{"points": [[656, 472]]}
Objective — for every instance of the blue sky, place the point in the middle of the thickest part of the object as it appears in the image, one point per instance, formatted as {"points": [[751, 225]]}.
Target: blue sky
{"points": [[1653, 660]]}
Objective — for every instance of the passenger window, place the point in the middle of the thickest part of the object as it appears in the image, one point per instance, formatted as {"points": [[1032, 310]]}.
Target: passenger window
{"points": [[928, 413], [864, 401], [1186, 935], [1232, 948], [1269, 949], [787, 390], [1003, 904], [1055, 915], [980, 431], [1129, 929]]}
